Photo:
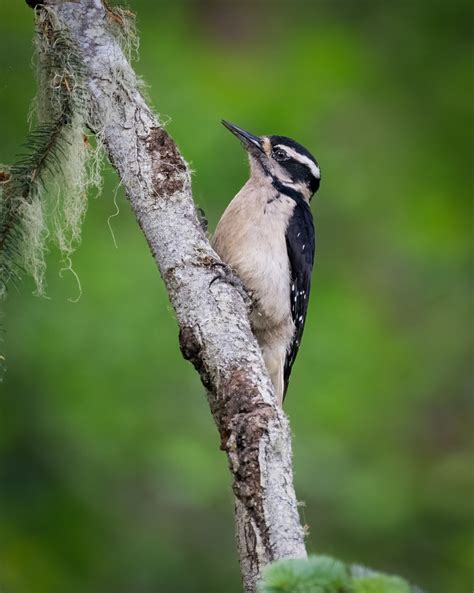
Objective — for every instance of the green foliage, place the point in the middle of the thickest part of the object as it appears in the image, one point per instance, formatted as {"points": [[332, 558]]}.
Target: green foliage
{"points": [[380, 584], [322, 574], [21, 217], [369, 581], [317, 574]]}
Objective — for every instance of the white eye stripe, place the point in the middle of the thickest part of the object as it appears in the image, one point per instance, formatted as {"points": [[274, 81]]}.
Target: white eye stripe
{"points": [[301, 158]]}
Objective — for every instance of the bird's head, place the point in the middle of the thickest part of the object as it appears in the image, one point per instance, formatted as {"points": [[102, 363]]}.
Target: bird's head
{"points": [[280, 161]]}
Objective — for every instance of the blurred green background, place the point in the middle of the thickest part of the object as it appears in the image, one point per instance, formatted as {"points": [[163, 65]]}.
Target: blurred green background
{"points": [[111, 478]]}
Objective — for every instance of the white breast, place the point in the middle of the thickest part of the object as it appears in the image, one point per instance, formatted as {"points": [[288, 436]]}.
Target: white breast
{"points": [[250, 237]]}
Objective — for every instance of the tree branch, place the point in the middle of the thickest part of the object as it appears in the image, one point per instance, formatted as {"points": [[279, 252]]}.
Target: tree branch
{"points": [[214, 330]]}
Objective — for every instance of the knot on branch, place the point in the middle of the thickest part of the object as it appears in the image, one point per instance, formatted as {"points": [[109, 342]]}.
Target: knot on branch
{"points": [[169, 172], [237, 395], [5, 176], [243, 419], [188, 343], [242, 423], [191, 346]]}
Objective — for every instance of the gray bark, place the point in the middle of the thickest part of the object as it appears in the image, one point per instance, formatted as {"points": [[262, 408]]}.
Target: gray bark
{"points": [[211, 311]]}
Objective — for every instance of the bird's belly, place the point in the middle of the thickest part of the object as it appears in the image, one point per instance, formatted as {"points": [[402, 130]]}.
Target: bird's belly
{"points": [[262, 265], [251, 238]]}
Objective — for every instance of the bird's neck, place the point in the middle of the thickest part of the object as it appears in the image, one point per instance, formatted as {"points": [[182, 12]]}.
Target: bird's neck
{"points": [[261, 176]]}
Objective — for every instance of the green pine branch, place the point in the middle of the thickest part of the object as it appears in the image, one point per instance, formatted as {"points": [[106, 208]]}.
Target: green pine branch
{"points": [[323, 574]]}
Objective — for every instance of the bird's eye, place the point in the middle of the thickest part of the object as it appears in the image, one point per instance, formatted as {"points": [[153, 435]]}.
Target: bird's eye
{"points": [[280, 155]]}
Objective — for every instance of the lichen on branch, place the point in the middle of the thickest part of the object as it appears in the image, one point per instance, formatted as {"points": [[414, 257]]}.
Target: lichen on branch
{"points": [[43, 195]]}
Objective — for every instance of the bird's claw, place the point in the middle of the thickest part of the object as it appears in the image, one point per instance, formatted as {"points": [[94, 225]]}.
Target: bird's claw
{"points": [[226, 274]]}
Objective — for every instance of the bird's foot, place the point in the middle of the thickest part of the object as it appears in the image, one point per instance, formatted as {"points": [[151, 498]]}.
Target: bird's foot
{"points": [[226, 274]]}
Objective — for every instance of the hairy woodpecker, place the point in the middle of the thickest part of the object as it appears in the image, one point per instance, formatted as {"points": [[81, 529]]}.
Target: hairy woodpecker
{"points": [[266, 235]]}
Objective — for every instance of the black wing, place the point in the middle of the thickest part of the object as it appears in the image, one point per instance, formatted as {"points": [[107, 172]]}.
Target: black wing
{"points": [[300, 243]]}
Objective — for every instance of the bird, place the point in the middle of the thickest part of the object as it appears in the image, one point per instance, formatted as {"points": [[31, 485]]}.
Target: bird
{"points": [[266, 236]]}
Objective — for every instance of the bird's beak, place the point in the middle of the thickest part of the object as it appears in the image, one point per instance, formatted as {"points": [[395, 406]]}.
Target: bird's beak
{"points": [[250, 142]]}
